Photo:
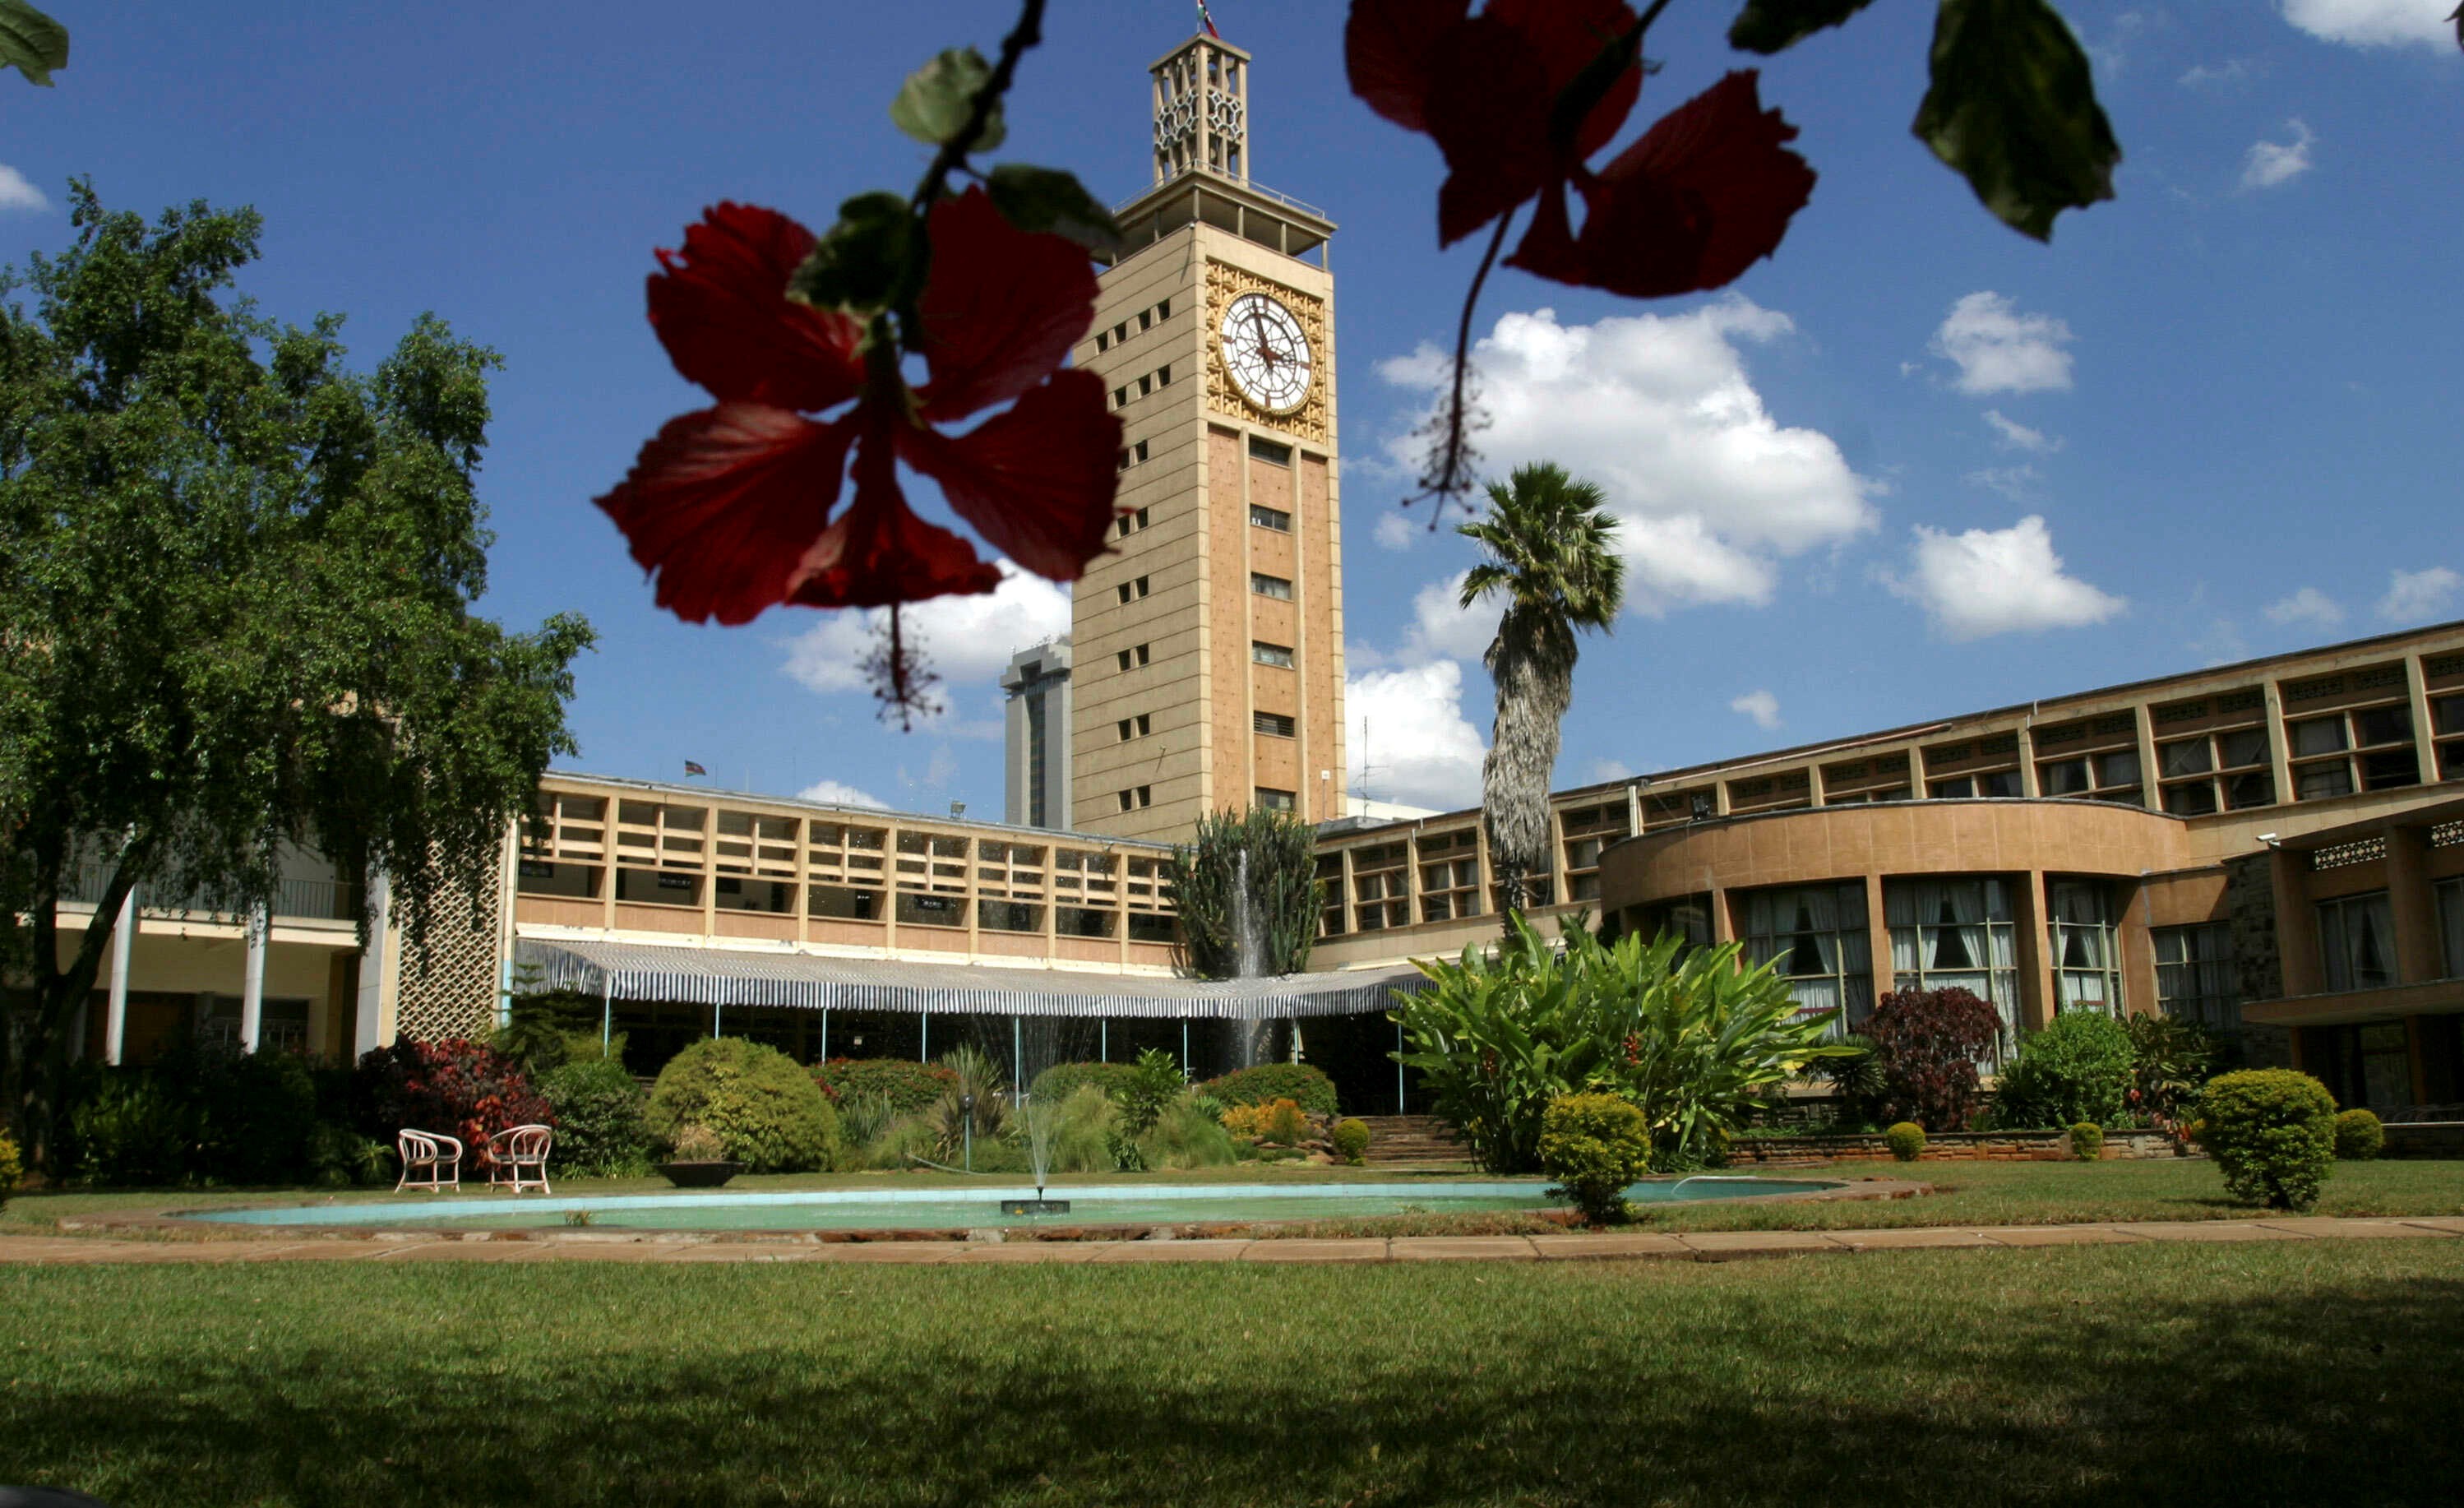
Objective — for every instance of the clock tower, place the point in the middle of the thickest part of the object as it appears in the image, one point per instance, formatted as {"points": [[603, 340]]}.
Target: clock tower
{"points": [[1209, 642]]}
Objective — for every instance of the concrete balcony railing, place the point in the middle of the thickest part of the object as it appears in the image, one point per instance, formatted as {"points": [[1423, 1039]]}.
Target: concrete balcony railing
{"points": [[294, 899]]}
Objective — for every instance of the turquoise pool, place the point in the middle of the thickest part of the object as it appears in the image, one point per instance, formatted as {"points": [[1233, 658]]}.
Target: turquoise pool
{"points": [[938, 1209]]}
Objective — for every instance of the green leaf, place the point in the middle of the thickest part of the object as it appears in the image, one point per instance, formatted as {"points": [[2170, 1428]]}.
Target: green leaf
{"points": [[31, 42], [858, 264], [1773, 26], [934, 104], [1047, 199], [2014, 110]]}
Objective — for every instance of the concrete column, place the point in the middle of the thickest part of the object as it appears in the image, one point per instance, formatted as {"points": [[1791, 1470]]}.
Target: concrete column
{"points": [[2033, 952], [2297, 923], [2412, 906], [2424, 733], [367, 1010], [1877, 936], [115, 1020], [252, 999], [2280, 766]]}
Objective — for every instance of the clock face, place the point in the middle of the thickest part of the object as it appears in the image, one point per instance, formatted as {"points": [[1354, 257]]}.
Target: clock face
{"points": [[1265, 352]]}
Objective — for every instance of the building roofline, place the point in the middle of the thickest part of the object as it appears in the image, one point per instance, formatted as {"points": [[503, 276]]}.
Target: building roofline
{"points": [[1093, 840]]}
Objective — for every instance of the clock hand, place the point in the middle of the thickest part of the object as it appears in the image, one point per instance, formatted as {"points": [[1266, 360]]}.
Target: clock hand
{"points": [[1257, 322]]}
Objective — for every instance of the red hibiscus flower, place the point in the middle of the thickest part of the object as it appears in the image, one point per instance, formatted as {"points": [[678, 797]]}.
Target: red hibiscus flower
{"points": [[1704, 194], [732, 505]]}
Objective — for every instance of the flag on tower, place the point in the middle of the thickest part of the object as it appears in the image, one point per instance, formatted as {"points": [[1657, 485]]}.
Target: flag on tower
{"points": [[1207, 21], [692, 769]]}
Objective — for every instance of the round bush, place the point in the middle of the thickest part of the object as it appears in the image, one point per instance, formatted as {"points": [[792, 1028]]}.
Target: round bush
{"points": [[1304, 1086], [10, 1169], [1351, 1140], [908, 1085], [2358, 1135], [2271, 1131], [599, 1128], [1907, 1140], [767, 1111], [1594, 1146], [2087, 1140], [2076, 1069]]}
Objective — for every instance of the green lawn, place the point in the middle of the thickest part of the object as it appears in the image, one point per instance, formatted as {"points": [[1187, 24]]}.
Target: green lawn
{"points": [[2300, 1373]]}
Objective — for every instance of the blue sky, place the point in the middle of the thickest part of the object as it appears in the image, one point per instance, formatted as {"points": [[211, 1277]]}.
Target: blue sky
{"points": [[1914, 465]]}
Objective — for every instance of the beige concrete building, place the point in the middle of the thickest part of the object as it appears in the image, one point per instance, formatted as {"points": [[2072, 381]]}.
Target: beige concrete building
{"points": [[1209, 642]]}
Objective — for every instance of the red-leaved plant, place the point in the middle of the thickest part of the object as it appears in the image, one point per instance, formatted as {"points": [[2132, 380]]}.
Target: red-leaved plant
{"points": [[1928, 1043], [467, 1090]]}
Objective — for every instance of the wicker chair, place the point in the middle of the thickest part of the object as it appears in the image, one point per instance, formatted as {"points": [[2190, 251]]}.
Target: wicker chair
{"points": [[439, 1153], [520, 1157]]}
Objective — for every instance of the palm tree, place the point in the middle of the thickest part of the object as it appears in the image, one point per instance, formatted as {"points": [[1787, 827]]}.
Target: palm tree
{"points": [[1550, 547]]}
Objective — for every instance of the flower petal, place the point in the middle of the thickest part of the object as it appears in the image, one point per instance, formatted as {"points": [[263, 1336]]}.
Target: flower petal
{"points": [[724, 503], [1496, 80], [1706, 193], [1389, 53], [1568, 36], [720, 307], [1038, 481], [1001, 306], [879, 553]]}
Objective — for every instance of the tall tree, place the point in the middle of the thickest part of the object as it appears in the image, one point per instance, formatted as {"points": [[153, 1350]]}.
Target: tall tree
{"points": [[236, 611], [1551, 549]]}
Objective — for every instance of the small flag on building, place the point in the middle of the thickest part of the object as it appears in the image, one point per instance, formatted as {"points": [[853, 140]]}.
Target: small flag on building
{"points": [[692, 768], [1207, 21]]}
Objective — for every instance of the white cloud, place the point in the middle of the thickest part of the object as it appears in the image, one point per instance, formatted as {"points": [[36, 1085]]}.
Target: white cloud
{"points": [[1600, 772], [1396, 532], [1443, 630], [16, 194], [2012, 436], [1998, 580], [1709, 488], [2413, 595], [2231, 74], [968, 640], [1761, 706], [2309, 604], [2273, 163], [2374, 23], [2019, 483], [1998, 350], [839, 794], [1408, 738]]}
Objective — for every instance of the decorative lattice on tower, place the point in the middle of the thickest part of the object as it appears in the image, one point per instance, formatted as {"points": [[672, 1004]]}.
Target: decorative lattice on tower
{"points": [[1201, 111]]}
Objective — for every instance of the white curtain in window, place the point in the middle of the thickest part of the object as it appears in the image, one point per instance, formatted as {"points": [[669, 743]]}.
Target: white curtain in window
{"points": [[1820, 910]]}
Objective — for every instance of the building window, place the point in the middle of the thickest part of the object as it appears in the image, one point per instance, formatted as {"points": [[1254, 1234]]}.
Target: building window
{"points": [[1163, 309], [1450, 876], [1994, 783], [1273, 723], [1276, 654], [1120, 332], [1120, 397], [2382, 757], [1381, 887], [2450, 927], [1163, 375], [1132, 727], [1273, 800], [2357, 943], [1136, 797], [1274, 586], [1131, 590], [1954, 932], [2087, 967], [2447, 722], [1146, 320], [1275, 518], [1815, 939], [1132, 657], [1146, 385], [1267, 450], [2195, 980], [1103, 340], [1009, 915]]}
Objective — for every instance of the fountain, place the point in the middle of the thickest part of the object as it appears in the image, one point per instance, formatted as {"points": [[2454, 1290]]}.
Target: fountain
{"points": [[1039, 1155], [1251, 1035]]}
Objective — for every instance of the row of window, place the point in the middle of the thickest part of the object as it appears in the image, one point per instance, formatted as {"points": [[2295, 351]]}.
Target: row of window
{"points": [[1130, 456], [1131, 522], [1138, 324], [1160, 377]]}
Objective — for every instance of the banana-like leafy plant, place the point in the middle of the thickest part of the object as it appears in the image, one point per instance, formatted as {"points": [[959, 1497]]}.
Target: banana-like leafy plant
{"points": [[1686, 1035]]}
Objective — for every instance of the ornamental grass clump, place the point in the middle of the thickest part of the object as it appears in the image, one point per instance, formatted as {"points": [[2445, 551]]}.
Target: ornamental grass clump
{"points": [[1907, 1140], [1594, 1146], [766, 1110], [2271, 1131], [2358, 1135], [2087, 1140]]}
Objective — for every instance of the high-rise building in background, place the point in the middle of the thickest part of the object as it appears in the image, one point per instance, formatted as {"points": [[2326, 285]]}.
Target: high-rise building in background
{"points": [[1034, 737], [1209, 642]]}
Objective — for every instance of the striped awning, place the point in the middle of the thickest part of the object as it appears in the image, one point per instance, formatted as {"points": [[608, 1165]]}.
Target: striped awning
{"points": [[710, 976]]}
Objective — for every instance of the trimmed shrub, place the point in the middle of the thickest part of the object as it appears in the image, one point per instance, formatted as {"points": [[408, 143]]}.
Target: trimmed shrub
{"points": [[1351, 1140], [2087, 1140], [467, 1090], [908, 1085], [698, 1145], [2076, 1069], [1302, 1084], [1927, 1044], [767, 1110], [1907, 1140], [1062, 1080], [2358, 1135], [598, 1127], [2273, 1133], [1594, 1146], [11, 1170]]}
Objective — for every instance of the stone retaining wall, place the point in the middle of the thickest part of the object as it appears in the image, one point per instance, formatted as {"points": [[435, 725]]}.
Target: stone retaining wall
{"points": [[1951, 1146]]}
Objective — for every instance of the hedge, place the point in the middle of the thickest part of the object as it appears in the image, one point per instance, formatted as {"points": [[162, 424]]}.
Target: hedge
{"points": [[908, 1085], [1262, 1085]]}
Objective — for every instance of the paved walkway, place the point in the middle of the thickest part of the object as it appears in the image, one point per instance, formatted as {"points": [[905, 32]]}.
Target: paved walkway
{"points": [[1700, 1247]]}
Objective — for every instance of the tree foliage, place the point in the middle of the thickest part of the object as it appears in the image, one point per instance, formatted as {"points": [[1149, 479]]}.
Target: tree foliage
{"points": [[1206, 875], [236, 582], [1685, 1035], [1549, 547]]}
